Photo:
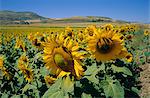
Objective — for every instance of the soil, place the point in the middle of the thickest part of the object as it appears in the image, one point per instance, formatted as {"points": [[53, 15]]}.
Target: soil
{"points": [[145, 81]]}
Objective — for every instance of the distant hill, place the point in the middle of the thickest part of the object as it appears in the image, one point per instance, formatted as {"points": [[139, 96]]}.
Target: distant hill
{"points": [[11, 17], [84, 19]]}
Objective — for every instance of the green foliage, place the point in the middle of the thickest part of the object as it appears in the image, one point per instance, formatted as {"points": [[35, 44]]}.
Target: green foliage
{"points": [[115, 79], [147, 54], [60, 89], [84, 95], [123, 69], [112, 88]]}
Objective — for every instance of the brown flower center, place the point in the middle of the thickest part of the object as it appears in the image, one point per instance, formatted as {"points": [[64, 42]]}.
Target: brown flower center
{"points": [[90, 33], [63, 60], [104, 45]]}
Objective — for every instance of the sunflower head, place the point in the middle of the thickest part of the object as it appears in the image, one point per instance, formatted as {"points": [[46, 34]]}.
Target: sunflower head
{"points": [[146, 32], [23, 59], [108, 27], [81, 37], [7, 74], [61, 57], [69, 32], [132, 27], [23, 63], [3, 69], [129, 57], [20, 44], [123, 29], [27, 72], [90, 30], [49, 80], [37, 39], [129, 37], [106, 46]]}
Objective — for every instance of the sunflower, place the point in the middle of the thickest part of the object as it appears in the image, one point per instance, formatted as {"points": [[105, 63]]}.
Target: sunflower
{"points": [[62, 57], [123, 29], [3, 69], [49, 80], [146, 32], [23, 59], [69, 32], [27, 72], [81, 38], [129, 57], [90, 30], [129, 37], [37, 39], [125, 54], [20, 44], [23, 63], [108, 27], [106, 45]]}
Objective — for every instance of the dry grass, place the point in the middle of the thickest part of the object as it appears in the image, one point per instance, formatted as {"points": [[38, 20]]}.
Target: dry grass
{"points": [[145, 81]]}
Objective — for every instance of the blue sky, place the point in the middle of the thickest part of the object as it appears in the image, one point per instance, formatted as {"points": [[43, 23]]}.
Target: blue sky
{"points": [[130, 10]]}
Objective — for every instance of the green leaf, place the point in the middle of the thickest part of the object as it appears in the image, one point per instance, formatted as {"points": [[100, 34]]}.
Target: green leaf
{"points": [[135, 90], [124, 70], [16, 96], [54, 88], [58, 94], [112, 88], [84, 95], [147, 54], [67, 84], [142, 60], [43, 71], [90, 69], [4, 95], [19, 96], [28, 86], [91, 73]]}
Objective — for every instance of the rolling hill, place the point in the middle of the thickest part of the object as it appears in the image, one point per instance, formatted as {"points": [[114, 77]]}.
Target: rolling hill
{"points": [[11, 17]]}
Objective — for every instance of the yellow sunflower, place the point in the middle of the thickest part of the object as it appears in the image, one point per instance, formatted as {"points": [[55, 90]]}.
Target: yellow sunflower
{"points": [[69, 32], [129, 57], [23, 67], [125, 54], [23, 59], [123, 29], [146, 32], [106, 46], [37, 39], [81, 38], [90, 30], [62, 57], [20, 44], [3, 69], [129, 37], [27, 72], [49, 80], [108, 27]]}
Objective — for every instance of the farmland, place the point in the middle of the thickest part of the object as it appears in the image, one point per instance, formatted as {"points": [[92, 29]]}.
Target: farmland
{"points": [[74, 60]]}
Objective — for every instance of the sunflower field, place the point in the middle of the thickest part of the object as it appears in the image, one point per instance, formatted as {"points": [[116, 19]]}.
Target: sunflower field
{"points": [[91, 62]]}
